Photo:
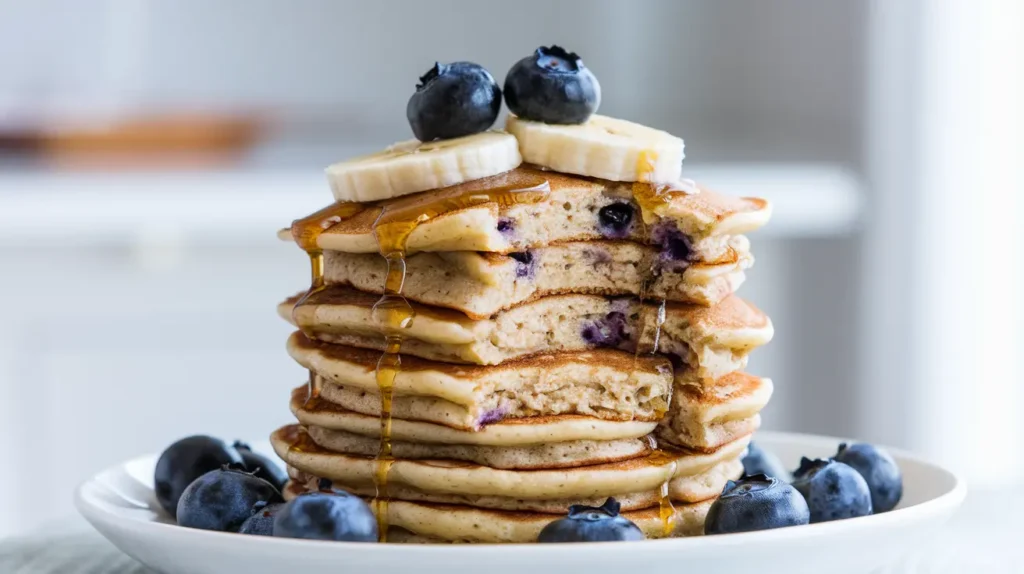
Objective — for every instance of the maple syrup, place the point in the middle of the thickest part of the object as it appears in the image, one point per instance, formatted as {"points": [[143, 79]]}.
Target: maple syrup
{"points": [[302, 442], [312, 387], [652, 198], [394, 225], [669, 459], [306, 232]]}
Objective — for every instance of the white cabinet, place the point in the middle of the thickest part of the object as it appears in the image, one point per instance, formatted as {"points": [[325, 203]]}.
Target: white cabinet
{"points": [[101, 360]]}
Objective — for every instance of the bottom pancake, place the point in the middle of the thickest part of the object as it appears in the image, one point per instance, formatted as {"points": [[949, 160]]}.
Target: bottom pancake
{"points": [[703, 486], [420, 522]]}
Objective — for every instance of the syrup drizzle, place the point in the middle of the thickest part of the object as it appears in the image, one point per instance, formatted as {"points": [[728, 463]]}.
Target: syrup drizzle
{"points": [[392, 229], [306, 233], [653, 198]]}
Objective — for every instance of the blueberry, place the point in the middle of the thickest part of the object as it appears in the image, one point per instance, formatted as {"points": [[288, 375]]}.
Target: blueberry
{"points": [[880, 471], [552, 86], [223, 499], [524, 263], [676, 249], [833, 490], [262, 466], [331, 515], [506, 225], [614, 220], [590, 524], [453, 100], [261, 523], [608, 331], [756, 502], [492, 416], [185, 461], [759, 461]]}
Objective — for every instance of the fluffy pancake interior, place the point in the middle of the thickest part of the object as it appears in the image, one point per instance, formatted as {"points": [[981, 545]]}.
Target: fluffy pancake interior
{"points": [[714, 340], [482, 284], [602, 383]]}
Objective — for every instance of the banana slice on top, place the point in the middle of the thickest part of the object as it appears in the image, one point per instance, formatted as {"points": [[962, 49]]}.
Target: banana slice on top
{"points": [[413, 166], [602, 147]]}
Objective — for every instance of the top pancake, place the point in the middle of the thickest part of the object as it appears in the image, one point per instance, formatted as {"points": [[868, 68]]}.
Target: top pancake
{"points": [[570, 212]]}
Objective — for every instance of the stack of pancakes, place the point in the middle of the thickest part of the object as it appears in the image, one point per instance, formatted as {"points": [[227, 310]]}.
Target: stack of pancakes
{"points": [[546, 364]]}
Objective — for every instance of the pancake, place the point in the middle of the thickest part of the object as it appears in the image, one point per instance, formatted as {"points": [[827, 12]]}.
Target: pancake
{"points": [[433, 410], [482, 284], [569, 454], [423, 522], [695, 488], [508, 432], [711, 340], [603, 383], [648, 473], [571, 212], [706, 416]]}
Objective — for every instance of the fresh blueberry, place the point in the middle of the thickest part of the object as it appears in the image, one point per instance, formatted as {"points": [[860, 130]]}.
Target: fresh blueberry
{"points": [[453, 100], [524, 263], [879, 470], [185, 461], [326, 515], [552, 86], [223, 499], [608, 331], [262, 466], [590, 524], [833, 490], [261, 523], [759, 461], [756, 502], [614, 219]]}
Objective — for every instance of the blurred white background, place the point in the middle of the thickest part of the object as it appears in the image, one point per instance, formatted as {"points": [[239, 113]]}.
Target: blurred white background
{"points": [[138, 289]]}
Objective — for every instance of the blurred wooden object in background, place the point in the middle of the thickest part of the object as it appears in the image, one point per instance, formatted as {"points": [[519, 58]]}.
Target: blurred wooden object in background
{"points": [[185, 140]]}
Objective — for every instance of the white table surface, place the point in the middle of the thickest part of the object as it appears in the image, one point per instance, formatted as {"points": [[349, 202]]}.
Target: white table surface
{"points": [[984, 538]]}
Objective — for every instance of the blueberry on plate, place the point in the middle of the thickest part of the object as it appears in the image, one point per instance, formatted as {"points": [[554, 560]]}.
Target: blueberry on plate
{"points": [[756, 502], [333, 515], [833, 490], [880, 471], [453, 100], [759, 461], [262, 466], [261, 523], [590, 524], [223, 499], [552, 86], [185, 461]]}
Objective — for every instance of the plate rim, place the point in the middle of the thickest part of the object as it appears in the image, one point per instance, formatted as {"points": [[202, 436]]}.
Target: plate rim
{"points": [[944, 504]]}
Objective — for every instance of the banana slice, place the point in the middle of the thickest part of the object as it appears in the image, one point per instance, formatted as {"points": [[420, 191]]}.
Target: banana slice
{"points": [[413, 166], [603, 147]]}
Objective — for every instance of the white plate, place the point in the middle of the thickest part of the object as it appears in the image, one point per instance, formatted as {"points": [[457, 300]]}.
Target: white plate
{"points": [[120, 503]]}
